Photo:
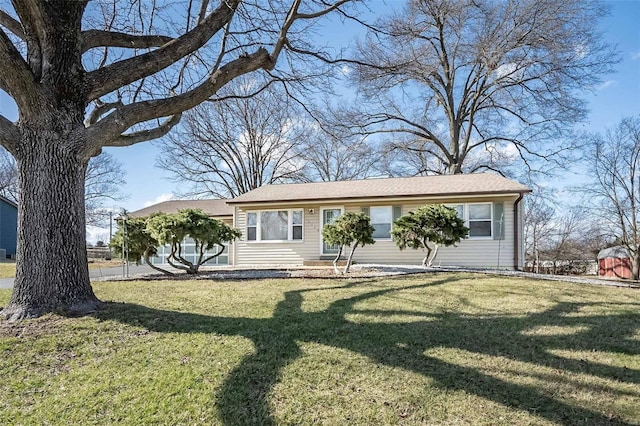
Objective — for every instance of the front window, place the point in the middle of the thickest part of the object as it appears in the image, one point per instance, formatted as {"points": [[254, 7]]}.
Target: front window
{"points": [[296, 224], [252, 226], [479, 220], [460, 210], [274, 225], [477, 217], [381, 220]]}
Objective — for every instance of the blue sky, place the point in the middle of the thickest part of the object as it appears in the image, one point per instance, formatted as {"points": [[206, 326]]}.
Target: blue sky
{"points": [[617, 97], [619, 94]]}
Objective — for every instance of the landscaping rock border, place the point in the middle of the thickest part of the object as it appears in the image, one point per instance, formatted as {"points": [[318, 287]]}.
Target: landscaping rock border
{"points": [[363, 271]]}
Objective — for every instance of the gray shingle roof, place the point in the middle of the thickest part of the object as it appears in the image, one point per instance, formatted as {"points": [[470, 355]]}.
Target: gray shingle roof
{"points": [[446, 185], [213, 207], [618, 252]]}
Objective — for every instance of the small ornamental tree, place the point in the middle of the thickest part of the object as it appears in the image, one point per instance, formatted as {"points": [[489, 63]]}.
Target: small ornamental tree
{"points": [[435, 224], [172, 229], [138, 242], [351, 230]]}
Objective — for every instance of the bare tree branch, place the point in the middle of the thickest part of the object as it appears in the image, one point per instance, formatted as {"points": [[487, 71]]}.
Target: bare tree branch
{"points": [[113, 125], [226, 148], [9, 134], [290, 19], [99, 110], [107, 79], [16, 78], [322, 12], [146, 135], [329, 60], [97, 38], [12, 25], [477, 72]]}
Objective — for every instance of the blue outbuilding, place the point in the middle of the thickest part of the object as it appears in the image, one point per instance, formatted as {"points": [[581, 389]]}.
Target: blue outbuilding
{"points": [[8, 227]]}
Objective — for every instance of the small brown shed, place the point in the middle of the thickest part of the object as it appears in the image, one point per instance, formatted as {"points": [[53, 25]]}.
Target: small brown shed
{"points": [[614, 262]]}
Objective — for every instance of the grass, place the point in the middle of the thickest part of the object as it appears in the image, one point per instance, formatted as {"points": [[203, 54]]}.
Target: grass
{"points": [[7, 269], [427, 349]]}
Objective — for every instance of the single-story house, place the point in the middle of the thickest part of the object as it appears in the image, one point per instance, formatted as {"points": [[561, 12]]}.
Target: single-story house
{"points": [[8, 228], [614, 262], [282, 224]]}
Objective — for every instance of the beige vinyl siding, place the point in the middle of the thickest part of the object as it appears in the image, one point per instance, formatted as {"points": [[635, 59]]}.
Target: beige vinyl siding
{"points": [[472, 252], [280, 252]]}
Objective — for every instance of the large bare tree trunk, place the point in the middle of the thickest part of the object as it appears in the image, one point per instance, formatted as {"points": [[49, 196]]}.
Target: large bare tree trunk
{"points": [[52, 272], [42, 69]]}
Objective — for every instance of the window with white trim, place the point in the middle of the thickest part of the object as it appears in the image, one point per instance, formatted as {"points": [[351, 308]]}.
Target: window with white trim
{"points": [[478, 218], [274, 225], [252, 226], [381, 220]]}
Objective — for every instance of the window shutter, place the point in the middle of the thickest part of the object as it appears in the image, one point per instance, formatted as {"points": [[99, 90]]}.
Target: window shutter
{"points": [[365, 210], [498, 221], [397, 213]]}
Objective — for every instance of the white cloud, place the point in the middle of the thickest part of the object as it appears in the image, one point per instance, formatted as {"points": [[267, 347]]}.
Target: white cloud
{"points": [[159, 199], [581, 51], [506, 69], [606, 84], [95, 234], [346, 70], [635, 56]]}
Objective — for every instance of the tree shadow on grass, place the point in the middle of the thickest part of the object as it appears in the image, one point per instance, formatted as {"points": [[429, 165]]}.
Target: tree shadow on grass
{"points": [[243, 398]]}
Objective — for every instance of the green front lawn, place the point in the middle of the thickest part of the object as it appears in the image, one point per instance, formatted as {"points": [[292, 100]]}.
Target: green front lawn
{"points": [[427, 349], [7, 269]]}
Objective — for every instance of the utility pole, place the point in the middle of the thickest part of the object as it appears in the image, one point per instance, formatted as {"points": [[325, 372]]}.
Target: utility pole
{"points": [[110, 232], [125, 249]]}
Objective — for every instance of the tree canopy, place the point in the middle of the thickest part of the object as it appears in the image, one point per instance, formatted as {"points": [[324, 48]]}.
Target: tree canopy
{"points": [[466, 85], [207, 233], [140, 238], [133, 242], [349, 230], [434, 224], [238, 143]]}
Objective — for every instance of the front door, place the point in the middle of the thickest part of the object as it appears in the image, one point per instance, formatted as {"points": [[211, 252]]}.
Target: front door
{"points": [[329, 216]]}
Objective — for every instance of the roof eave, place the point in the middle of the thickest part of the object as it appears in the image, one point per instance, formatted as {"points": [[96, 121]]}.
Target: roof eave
{"points": [[413, 196], [8, 201]]}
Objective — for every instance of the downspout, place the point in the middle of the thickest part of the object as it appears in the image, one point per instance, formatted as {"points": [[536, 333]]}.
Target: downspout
{"points": [[516, 233], [233, 244]]}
